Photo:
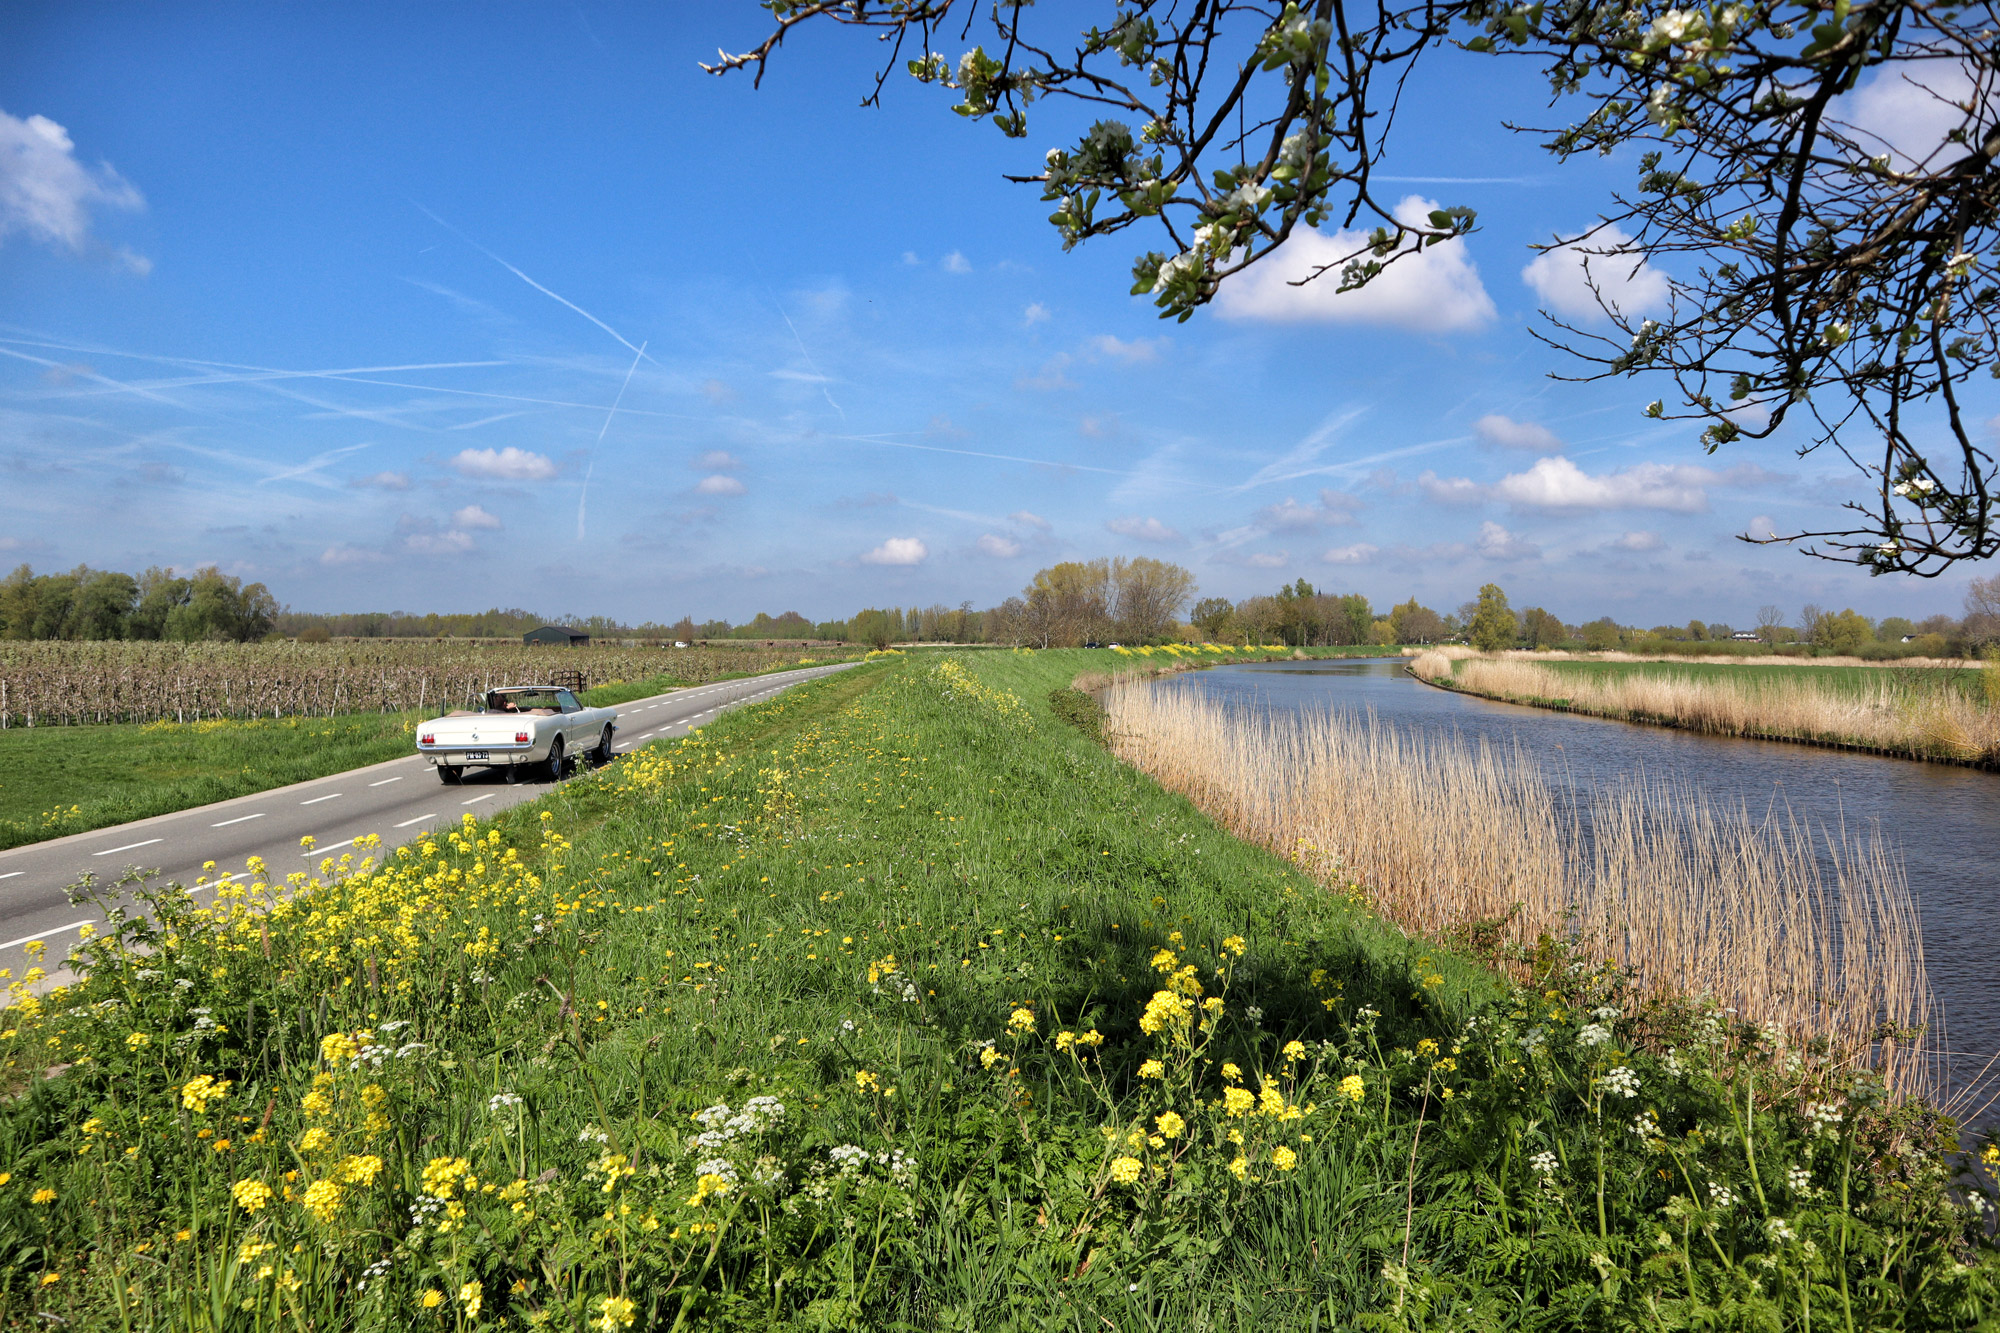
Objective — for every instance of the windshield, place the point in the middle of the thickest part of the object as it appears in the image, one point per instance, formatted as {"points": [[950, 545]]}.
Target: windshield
{"points": [[520, 701]]}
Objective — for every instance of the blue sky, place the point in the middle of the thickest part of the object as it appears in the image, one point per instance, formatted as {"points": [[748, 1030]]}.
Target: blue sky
{"points": [[446, 306]]}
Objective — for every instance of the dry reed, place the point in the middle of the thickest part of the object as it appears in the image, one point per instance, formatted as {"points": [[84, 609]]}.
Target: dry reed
{"points": [[1888, 715], [1810, 931]]}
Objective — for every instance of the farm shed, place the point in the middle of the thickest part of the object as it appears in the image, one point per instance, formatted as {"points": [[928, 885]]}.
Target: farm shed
{"points": [[575, 638]]}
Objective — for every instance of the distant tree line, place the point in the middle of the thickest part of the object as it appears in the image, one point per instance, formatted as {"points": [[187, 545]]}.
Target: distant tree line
{"points": [[87, 603]]}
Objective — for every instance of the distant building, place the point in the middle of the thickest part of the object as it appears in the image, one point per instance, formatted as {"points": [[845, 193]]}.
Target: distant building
{"points": [[574, 638], [1744, 636]]}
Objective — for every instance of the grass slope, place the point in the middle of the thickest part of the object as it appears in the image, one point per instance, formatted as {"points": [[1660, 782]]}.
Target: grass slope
{"points": [[62, 780], [896, 1003]]}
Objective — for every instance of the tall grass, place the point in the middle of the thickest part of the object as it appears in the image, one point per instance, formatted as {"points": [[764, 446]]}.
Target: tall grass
{"points": [[1891, 714], [1811, 931]]}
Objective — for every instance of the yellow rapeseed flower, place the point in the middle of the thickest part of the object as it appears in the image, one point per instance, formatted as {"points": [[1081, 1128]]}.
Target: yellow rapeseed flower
{"points": [[1232, 1071], [201, 1090], [1125, 1170], [471, 1296], [1233, 945], [1021, 1020], [1295, 1050], [137, 1041], [251, 1195], [1353, 1088], [1284, 1158], [1240, 1168], [1237, 1101], [322, 1200], [1152, 1069], [1170, 1124], [314, 1139], [614, 1313]]}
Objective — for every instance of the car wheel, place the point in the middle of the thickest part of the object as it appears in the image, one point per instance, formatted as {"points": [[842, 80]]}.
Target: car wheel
{"points": [[449, 773], [557, 764], [602, 754]]}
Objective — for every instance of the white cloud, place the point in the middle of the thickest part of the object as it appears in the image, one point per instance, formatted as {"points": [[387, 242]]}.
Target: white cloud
{"points": [[1268, 559], [910, 257], [1000, 548], [1508, 433], [1143, 529], [1496, 543], [1133, 353], [716, 460], [1760, 527], [1050, 376], [1908, 110], [1637, 541], [1358, 554], [716, 391], [1626, 280], [1028, 520], [383, 481], [955, 263], [1437, 291], [509, 464], [1450, 490], [47, 195], [1557, 483], [897, 551], [1034, 314], [1335, 509], [342, 554], [472, 516], [452, 542], [720, 485]]}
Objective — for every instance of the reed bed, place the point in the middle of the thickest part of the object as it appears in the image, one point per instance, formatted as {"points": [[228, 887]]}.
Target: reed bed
{"points": [[1889, 715], [69, 684], [1811, 932]]}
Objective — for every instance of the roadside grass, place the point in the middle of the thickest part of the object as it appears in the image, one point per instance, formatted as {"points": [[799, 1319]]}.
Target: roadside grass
{"points": [[1856, 680], [56, 781], [897, 1003]]}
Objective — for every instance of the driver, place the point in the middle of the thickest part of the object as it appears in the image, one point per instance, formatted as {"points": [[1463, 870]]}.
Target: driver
{"points": [[500, 703]]}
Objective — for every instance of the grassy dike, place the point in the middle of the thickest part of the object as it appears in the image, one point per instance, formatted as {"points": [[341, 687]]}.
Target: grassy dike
{"points": [[56, 781], [896, 1003]]}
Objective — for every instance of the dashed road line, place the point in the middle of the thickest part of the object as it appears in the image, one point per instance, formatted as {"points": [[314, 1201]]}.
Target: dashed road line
{"points": [[321, 851], [418, 820], [477, 799], [317, 799], [240, 819], [43, 934], [386, 781], [128, 847], [13, 874]]}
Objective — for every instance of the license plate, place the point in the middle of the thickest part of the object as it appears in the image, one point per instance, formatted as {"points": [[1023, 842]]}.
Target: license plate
{"points": [[472, 755]]}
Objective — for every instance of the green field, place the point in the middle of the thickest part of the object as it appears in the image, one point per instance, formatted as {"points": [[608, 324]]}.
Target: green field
{"points": [[896, 1003], [1848, 679], [60, 780]]}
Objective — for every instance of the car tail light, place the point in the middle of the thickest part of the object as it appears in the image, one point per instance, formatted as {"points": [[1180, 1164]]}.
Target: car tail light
{"points": [[427, 739], [520, 738]]}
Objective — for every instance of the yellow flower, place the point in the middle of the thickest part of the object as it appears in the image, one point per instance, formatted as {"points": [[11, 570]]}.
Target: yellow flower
{"points": [[1295, 1050], [470, 1295], [614, 1313], [1170, 1125], [1237, 1101], [1232, 1072], [709, 1184], [866, 1082], [185, 1233], [987, 1059], [1165, 1010], [1284, 1158], [314, 1139], [1021, 1020], [202, 1089], [43, 1195], [1353, 1088], [251, 1195], [50, 1279], [443, 1174], [431, 1299], [137, 1040], [1234, 945], [322, 1200], [1125, 1170], [1427, 1047], [6, 1176], [1152, 1069], [360, 1170], [316, 1103], [1164, 961], [1240, 1168]]}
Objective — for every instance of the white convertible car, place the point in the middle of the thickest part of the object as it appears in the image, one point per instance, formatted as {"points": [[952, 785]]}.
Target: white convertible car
{"points": [[537, 727]]}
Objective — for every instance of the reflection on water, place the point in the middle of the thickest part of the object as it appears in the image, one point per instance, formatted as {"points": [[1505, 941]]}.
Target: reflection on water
{"points": [[1945, 820]]}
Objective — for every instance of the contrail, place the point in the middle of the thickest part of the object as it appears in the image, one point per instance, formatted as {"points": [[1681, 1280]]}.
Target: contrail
{"points": [[824, 391], [584, 495], [553, 296]]}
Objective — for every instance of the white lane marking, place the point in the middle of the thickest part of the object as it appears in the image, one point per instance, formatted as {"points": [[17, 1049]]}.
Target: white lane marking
{"points": [[477, 799], [13, 874], [386, 781], [418, 820], [319, 850], [128, 847], [317, 799], [54, 930], [240, 819]]}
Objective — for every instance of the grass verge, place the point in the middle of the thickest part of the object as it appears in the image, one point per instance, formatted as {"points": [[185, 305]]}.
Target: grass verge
{"points": [[63, 780], [897, 1003]]}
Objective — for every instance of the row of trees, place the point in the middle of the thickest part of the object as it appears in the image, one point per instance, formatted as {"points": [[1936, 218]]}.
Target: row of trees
{"points": [[87, 603]]}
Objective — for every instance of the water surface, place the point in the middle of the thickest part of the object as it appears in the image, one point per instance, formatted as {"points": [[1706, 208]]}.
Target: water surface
{"points": [[1944, 821]]}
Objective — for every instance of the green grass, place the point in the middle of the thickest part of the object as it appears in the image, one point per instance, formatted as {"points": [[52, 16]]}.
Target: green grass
{"points": [[61, 780], [892, 901], [1846, 679]]}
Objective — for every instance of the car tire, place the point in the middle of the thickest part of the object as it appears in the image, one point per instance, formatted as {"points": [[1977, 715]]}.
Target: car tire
{"points": [[450, 773], [602, 754], [557, 763]]}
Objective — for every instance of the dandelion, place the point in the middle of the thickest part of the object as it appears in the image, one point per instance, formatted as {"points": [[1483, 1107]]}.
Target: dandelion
{"points": [[431, 1299], [614, 1313], [1125, 1170], [1352, 1088], [42, 1196], [1169, 1124], [250, 1195]]}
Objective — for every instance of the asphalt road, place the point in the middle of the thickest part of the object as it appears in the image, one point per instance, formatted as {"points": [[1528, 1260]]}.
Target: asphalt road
{"points": [[401, 800]]}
